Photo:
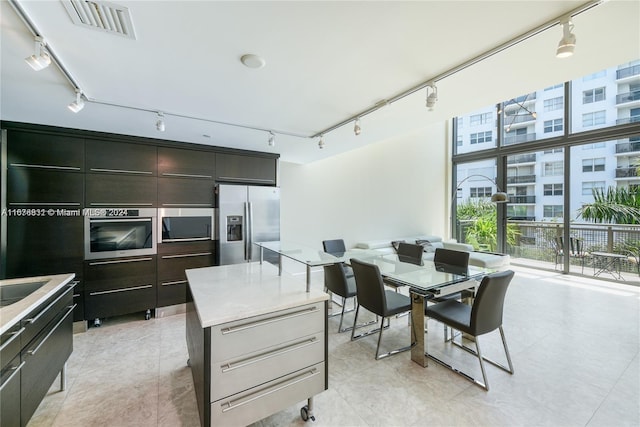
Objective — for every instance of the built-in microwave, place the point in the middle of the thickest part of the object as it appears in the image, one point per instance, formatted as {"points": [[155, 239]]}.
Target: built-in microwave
{"points": [[119, 232], [186, 224]]}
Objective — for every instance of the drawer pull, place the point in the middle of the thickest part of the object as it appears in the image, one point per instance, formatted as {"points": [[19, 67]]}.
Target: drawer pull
{"points": [[62, 168], [258, 323], [114, 291], [15, 335], [185, 255], [186, 175], [15, 371], [118, 204], [188, 239], [175, 282], [233, 404], [121, 171], [265, 356], [35, 319], [120, 261], [235, 178], [205, 205], [69, 311], [44, 204]]}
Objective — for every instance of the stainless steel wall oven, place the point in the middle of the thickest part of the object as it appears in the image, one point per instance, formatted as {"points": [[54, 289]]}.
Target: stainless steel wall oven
{"points": [[119, 232], [186, 224]]}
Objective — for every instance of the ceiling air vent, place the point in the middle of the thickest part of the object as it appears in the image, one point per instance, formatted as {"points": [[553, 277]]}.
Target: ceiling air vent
{"points": [[101, 15]]}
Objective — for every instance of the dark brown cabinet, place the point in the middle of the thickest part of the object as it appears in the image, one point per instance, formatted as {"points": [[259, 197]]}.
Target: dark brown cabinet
{"points": [[112, 190], [173, 260], [119, 286], [44, 188], [44, 151], [186, 163], [246, 169], [182, 192], [121, 158]]}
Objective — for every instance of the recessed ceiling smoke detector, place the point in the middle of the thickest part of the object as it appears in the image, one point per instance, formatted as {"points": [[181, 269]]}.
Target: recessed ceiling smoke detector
{"points": [[252, 61], [102, 16]]}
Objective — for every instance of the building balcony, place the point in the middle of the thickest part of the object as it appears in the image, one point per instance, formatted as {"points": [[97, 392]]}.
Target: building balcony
{"points": [[627, 72], [521, 100], [520, 218], [626, 147], [632, 119], [509, 121], [625, 98], [626, 172], [521, 179], [517, 139], [522, 199], [522, 158]]}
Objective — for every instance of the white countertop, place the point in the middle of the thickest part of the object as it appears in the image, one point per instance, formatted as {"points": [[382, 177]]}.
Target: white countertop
{"points": [[232, 292], [11, 314]]}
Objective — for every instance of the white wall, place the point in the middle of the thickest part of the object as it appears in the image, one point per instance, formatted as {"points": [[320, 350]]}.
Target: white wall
{"points": [[389, 189]]}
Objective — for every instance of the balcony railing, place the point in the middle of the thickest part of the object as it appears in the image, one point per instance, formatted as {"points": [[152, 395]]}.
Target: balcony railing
{"points": [[521, 179], [628, 72], [522, 158], [518, 118], [626, 147], [628, 97], [626, 172], [517, 139], [521, 99], [632, 119], [522, 199]]}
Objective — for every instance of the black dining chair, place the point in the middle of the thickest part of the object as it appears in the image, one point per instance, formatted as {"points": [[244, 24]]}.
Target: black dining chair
{"points": [[337, 282], [375, 298], [484, 316], [411, 253], [337, 248]]}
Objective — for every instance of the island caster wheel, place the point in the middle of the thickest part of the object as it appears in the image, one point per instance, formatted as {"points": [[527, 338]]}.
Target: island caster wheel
{"points": [[304, 414], [147, 315], [96, 323], [189, 362]]}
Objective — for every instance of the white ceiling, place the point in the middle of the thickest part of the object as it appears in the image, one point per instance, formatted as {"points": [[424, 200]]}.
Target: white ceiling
{"points": [[325, 62]]}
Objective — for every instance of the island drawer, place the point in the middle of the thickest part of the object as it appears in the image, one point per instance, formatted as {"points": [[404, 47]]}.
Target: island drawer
{"points": [[249, 335], [241, 373], [39, 318], [263, 400]]}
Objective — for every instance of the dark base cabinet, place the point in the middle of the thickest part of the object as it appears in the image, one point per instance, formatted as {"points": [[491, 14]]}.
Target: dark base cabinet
{"points": [[173, 260], [118, 286]]}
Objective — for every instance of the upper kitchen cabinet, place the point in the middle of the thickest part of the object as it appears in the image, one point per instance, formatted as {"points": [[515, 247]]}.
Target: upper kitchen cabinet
{"points": [[246, 169], [121, 158], [185, 163], [40, 151]]}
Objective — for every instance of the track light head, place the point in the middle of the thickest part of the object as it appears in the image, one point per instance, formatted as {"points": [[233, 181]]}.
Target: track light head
{"points": [[78, 104], [321, 142], [432, 96], [40, 59], [160, 122], [567, 43], [356, 127], [272, 139]]}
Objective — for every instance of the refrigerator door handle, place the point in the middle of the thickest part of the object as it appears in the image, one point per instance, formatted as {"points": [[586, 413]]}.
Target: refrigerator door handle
{"points": [[250, 233], [245, 231]]}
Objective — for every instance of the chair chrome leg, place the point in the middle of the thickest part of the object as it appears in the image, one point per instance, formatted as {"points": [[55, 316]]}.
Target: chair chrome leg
{"points": [[506, 351], [484, 373], [356, 326], [393, 352]]}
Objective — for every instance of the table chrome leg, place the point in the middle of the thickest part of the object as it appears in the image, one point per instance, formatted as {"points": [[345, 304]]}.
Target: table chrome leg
{"points": [[308, 278]]}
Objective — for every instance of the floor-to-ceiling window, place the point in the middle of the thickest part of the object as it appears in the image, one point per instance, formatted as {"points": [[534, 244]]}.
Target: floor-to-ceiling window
{"points": [[554, 151]]}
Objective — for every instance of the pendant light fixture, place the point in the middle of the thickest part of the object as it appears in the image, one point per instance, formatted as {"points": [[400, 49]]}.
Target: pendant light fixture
{"points": [[567, 43], [78, 104], [40, 59]]}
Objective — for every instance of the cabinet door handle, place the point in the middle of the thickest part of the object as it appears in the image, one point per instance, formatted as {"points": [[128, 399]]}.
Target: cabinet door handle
{"points": [[44, 204], [206, 205], [64, 168], [185, 255], [263, 322], [42, 312], [15, 335], [191, 239], [115, 291], [283, 350], [233, 178], [15, 371], [175, 282], [121, 204], [186, 175], [233, 404], [69, 311], [121, 171], [119, 261]]}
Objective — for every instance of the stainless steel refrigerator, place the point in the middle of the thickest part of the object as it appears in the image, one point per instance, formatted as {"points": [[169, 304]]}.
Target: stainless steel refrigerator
{"points": [[246, 214]]}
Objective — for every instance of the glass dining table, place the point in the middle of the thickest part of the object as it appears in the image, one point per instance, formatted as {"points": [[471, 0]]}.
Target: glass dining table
{"points": [[424, 281]]}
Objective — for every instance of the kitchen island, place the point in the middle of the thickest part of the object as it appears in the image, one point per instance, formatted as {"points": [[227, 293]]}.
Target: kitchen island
{"points": [[36, 339], [257, 342]]}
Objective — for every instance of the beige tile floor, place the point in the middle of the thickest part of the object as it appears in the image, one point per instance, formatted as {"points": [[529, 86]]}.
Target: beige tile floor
{"points": [[574, 344]]}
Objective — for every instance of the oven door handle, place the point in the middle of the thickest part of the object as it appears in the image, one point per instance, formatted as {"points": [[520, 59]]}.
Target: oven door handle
{"points": [[128, 219]]}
